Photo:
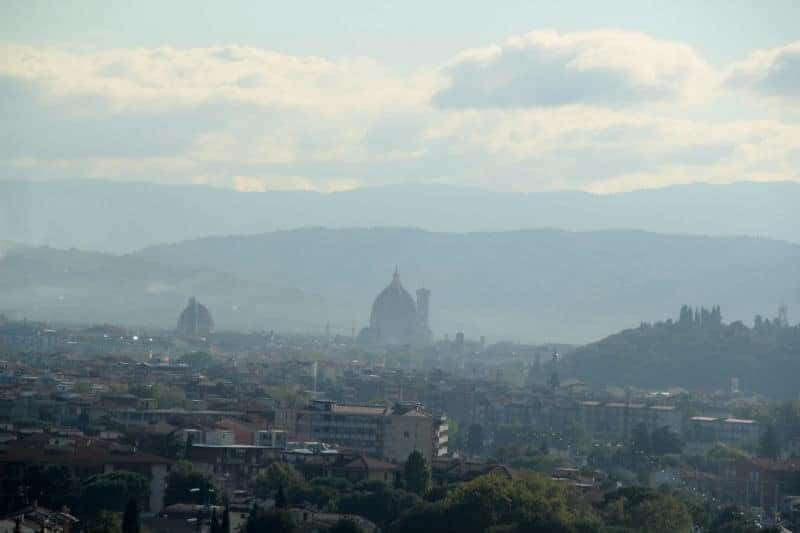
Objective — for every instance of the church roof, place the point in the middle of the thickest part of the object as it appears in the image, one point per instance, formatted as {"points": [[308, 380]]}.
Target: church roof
{"points": [[195, 319], [393, 303]]}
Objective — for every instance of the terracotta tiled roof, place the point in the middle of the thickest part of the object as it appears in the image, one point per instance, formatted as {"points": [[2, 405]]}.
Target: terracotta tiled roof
{"points": [[369, 463], [82, 452]]}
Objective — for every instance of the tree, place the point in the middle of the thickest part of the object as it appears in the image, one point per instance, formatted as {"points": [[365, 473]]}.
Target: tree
{"points": [[105, 522], [381, 504], [346, 525], [318, 494], [661, 515], [113, 490], [225, 527], [53, 486], [769, 445], [182, 481], [417, 473], [130, 520], [281, 499], [277, 475], [529, 504], [272, 521], [213, 525]]}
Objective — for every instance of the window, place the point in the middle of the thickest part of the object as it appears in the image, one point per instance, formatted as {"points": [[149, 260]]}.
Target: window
{"points": [[406, 434]]}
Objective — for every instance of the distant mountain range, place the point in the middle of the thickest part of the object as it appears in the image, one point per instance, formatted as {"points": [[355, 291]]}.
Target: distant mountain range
{"points": [[122, 217], [537, 285]]}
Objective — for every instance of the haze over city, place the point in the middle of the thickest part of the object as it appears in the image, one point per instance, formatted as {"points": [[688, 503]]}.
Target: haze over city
{"points": [[370, 266]]}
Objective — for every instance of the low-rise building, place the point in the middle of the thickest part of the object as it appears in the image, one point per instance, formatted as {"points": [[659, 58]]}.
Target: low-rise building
{"points": [[765, 482], [702, 432], [390, 432], [87, 457]]}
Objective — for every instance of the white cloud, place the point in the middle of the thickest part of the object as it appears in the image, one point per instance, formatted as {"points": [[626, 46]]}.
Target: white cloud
{"points": [[252, 119], [601, 67], [774, 72], [167, 77]]}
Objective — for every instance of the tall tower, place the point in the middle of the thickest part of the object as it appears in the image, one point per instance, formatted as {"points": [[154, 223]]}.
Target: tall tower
{"points": [[423, 299], [783, 316]]}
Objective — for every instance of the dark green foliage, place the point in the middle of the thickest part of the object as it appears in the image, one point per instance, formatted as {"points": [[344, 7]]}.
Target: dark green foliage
{"points": [[436, 494], [225, 526], [489, 502], [213, 526], [104, 522], [338, 484], [272, 521], [381, 506], [130, 520], [277, 475], [281, 498], [182, 479], [346, 525], [701, 354], [314, 493], [417, 473], [645, 509], [112, 491], [54, 486]]}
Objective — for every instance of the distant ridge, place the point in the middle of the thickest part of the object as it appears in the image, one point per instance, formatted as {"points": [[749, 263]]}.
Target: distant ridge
{"points": [[122, 217], [527, 285]]}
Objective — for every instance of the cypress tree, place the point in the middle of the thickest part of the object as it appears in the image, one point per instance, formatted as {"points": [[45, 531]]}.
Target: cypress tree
{"points": [[226, 521], [417, 473], [130, 520], [214, 525], [281, 500]]}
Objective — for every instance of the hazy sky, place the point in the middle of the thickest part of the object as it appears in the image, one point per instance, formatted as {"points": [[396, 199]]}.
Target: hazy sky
{"points": [[516, 95]]}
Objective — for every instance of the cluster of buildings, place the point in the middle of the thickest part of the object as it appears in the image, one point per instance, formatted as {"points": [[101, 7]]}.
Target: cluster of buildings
{"points": [[102, 399]]}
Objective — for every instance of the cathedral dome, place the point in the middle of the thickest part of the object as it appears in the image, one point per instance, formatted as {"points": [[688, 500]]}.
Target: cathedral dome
{"points": [[394, 315], [195, 319]]}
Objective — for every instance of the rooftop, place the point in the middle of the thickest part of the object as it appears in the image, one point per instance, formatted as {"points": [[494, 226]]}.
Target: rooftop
{"points": [[78, 451]]}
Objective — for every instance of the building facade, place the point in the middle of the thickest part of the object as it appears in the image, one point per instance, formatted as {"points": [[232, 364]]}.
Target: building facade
{"points": [[389, 432]]}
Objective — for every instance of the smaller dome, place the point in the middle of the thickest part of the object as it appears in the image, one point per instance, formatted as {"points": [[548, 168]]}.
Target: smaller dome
{"points": [[195, 319]]}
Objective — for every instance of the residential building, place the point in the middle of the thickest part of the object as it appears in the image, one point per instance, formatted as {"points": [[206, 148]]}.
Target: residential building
{"points": [[390, 432]]}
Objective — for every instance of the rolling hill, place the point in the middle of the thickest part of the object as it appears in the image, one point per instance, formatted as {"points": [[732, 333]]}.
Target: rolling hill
{"points": [[123, 217], [537, 286]]}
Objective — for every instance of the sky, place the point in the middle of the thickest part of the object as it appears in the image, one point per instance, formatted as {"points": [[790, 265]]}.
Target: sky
{"points": [[511, 96]]}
